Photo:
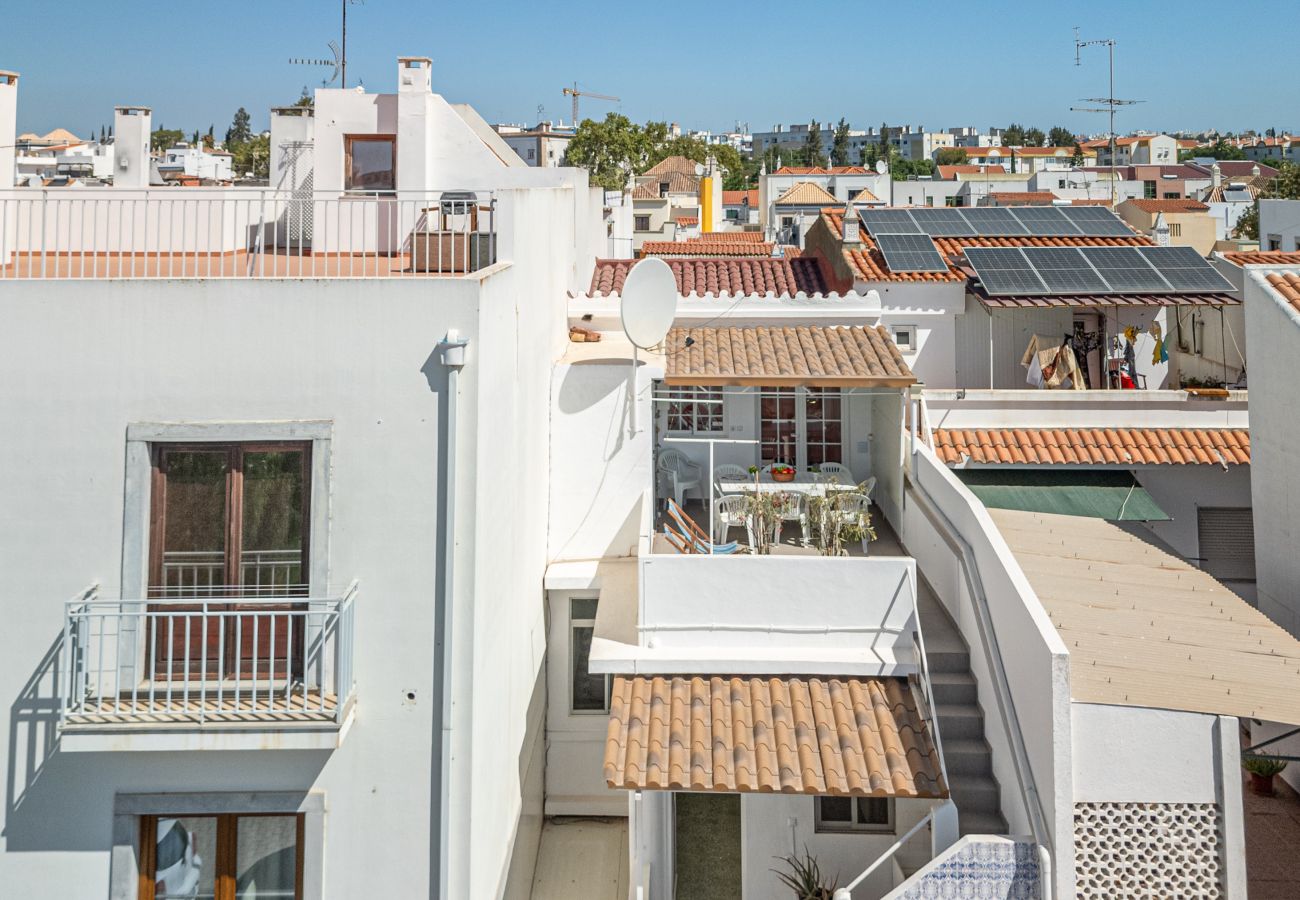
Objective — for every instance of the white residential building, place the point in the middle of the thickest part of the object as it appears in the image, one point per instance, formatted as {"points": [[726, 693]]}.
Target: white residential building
{"points": [[1279, 225], [543, 145], [183, 161]]}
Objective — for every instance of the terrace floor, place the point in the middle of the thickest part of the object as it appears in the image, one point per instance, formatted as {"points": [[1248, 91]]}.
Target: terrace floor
{"points": [[791, 544], [127, 709], [235, 264], [581, 857], [1272, 834]]}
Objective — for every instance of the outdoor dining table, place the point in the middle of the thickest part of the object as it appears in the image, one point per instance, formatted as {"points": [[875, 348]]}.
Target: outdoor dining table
{"points": [[807, 482]]}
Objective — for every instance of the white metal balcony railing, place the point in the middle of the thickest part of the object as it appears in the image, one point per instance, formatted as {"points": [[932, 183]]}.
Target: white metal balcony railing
{"points": [[270, 658], [243, 233]]}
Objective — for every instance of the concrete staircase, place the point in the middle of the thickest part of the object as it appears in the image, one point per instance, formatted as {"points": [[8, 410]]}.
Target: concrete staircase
{"points": [[961, 721]]}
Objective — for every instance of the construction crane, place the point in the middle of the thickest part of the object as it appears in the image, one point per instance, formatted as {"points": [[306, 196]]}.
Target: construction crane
{"points": [[575, 94]]}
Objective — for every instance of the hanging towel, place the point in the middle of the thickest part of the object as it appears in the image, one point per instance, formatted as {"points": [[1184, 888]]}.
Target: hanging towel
{"points": [[1158, 353]]}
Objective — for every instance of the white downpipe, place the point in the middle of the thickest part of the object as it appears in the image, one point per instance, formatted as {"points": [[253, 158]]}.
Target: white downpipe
{"points": [[453, 354]]}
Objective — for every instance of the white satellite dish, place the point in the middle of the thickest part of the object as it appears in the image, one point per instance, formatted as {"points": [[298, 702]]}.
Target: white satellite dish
{"points": [[881, 167], [649, 302]]}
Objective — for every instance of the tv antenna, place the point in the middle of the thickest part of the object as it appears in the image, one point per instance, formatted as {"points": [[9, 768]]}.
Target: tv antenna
{"points": [[336, 64], [1107, 104]]}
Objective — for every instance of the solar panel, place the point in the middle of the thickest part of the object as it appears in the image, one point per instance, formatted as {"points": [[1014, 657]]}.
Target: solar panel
{"points": [[910, 253], [888, 221], [1046, 221], [1096, 221], [1185, 269], [942, 222], [992, 221], [1004, 270], [1065, 271], [1237, 196], [1124, 269]]}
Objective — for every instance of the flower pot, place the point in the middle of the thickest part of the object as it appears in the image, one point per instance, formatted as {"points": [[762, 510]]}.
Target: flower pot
{"points": [[783, 476], [1262, 784]]}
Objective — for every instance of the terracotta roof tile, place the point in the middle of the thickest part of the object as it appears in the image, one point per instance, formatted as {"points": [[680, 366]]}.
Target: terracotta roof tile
{"points": [[766, 734], [648, 188], [1094, 446], [810, 355], [733, 236], [1182, 205], [950, 173], [865, 196], [1264, 258], [706, 248], [723, 275], [1288, 285], [736, 198], [823, 170], [806, 193], [674, 164], [687, 220], [1022, 198]]}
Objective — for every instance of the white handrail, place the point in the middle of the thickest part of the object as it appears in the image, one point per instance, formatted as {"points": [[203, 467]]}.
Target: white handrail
{"points": [[846, 892]]}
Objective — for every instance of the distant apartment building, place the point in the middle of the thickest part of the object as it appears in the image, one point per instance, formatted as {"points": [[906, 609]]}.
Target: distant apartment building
{"points": [[200, 164], [542, 145], [1284, 147], [1145, 149], [1279, 225]]}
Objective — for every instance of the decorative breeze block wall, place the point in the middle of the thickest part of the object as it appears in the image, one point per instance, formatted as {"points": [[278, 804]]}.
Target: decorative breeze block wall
{"points": [[1148, 850]]}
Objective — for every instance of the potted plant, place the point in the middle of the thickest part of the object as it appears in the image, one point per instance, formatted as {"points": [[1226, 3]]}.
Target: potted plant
{"points": [[803, 876], [1263, 769], [833, 527]]}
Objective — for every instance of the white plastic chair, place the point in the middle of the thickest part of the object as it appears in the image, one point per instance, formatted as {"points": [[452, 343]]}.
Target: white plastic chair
{"points": [[792, 507], [680, 474], [851, 508], [869, 486], [729, 474], [838, 471], [731, 512]]}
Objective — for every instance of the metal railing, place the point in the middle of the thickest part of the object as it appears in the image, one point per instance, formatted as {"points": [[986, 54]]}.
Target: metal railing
{"points": [[846, 892], [244, 233], [208, 660]]}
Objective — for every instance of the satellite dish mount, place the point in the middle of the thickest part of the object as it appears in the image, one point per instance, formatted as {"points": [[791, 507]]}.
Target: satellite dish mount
{"points": [[647, 307]]}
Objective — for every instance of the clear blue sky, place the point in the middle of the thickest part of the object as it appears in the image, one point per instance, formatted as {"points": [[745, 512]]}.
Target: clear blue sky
{"points": [[705, 65]]}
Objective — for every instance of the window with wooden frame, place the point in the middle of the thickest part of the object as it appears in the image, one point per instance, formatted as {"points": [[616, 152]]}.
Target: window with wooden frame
{"points": [[370, 163], [221, 857], [693, 410], [228, 523], [853, 814]]}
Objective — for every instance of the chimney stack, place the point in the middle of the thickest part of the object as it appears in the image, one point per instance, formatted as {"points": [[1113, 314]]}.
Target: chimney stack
{"points": [[8, 127], [1216, 175], [1161, 230], [132, 130], [415, 116], [852, 237]]}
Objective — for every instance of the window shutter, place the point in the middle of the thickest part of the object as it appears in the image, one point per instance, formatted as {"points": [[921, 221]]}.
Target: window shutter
{"points": [[1227, 542]]}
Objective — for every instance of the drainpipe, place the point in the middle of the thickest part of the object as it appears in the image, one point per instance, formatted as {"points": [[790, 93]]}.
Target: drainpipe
{"points": [[452, 351]]}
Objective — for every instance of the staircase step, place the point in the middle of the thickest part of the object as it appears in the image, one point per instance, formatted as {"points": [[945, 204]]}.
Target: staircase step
{"points": [[959, 720], [948, 661], [975, 793], [954, 688], [966, 757], [976, 822]]}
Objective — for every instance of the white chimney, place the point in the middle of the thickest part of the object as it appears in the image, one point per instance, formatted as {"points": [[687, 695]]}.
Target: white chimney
{"points": [[1254, 170], [1216, 175], [8, 127], [1161, 230], [414, 122], [293, 130], [132, 128], [851, 226]]}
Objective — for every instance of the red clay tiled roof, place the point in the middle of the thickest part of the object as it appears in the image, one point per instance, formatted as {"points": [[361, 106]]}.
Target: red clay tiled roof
{"points": [[736, 198], [678, 183], [1288, 285], [805, 193], [1022, 198], [706, 248], [809, 734], [1094, 446], [687, 220], [673, 164], [823, 170], [1181, 205], [868, 264], [722, 275], [1264, 258], [732, 236], [949, 173]]}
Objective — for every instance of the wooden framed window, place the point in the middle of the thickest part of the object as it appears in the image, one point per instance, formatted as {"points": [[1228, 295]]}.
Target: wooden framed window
{"points": [[228, 521], [221, 857], [853, 814], [370, 162], [693, 410], [642, 223]]}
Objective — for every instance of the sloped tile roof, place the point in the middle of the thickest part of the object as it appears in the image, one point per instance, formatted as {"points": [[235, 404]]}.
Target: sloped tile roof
{"points": [[1288, 285], [950, 173], [706, 248], [865, 196], [806, 193], [721, 275], [678, 183], [1094, 446], [1252, 186], [1181, 205], [733, 236], [1022, 198], [1264, 258], [736, 198], [823, 170], [808, 355], [674, 164], [793, 735]]}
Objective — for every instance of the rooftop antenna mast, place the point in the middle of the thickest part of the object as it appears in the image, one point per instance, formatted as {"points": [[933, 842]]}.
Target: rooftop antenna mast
{"points": [[346, 4], [1108, 103]]}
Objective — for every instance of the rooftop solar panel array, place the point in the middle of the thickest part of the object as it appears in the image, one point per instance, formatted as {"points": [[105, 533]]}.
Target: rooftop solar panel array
{"points": [[995, 221], [910, 253], [1095, 270]]}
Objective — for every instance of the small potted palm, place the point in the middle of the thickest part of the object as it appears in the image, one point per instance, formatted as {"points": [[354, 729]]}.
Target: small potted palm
{"points": [[1263, 770], [803, 876]]}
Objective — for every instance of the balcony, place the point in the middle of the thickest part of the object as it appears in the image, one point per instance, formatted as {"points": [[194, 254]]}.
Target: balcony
{"points": [[265, 669], [182, 233]]}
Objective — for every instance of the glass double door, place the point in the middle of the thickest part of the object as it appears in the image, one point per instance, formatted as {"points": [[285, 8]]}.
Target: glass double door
{"points": [[801, 427], [228, 526]]}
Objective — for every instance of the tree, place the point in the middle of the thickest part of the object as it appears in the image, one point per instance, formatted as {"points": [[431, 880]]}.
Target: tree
{"points": [[1077, 160], [240, 129], [840, 144], [611, 150], [950, 156], [163, 138], [194, 141], [812, 145], [1284, 186], [1060, 136], [1034, 137], [1220, 149], [252, 157], [306, 99], [1013, 135]]}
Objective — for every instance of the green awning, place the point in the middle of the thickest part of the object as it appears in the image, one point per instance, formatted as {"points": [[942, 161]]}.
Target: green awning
{"points": [[1111, 495]]}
